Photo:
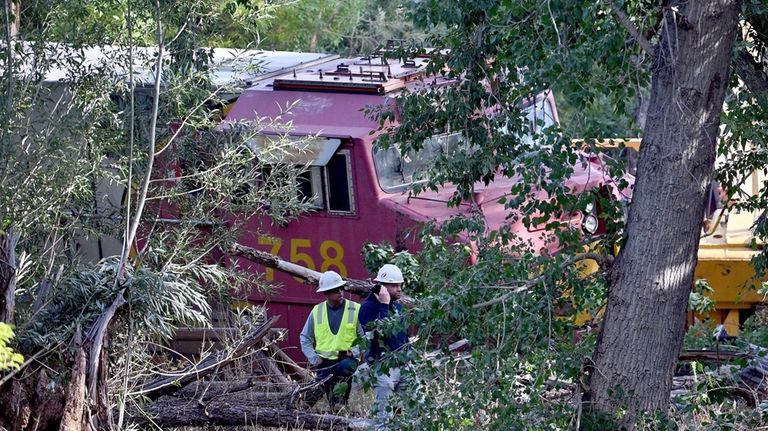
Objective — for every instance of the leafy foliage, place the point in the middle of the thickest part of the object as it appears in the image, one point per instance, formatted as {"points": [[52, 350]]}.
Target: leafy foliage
{"points": [[9, 359], [74, 132], [377, 255]]}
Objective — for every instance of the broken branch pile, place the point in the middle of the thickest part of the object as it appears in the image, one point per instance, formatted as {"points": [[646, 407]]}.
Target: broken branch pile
{"points": [[278, 398]]}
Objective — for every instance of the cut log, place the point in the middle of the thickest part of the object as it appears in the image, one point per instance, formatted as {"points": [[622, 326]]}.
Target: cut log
{"points": [[208, 365], [178, 413]]}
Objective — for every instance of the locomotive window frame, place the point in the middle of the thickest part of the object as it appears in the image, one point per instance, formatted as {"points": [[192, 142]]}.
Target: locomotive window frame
{"points": [[339, 198]]}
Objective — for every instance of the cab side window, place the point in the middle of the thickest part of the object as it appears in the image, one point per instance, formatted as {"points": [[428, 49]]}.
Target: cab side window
{"points": [[338, 184], [310, 187]]}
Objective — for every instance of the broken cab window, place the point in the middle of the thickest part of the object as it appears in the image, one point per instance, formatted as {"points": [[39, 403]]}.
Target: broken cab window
{"points": [[338, 180]]}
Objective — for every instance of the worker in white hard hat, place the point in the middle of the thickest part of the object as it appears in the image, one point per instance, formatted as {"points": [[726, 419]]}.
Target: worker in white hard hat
{"points": [[382, 304], [330, 335]]}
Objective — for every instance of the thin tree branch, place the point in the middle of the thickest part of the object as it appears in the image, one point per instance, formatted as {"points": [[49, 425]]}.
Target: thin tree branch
{"points": [[625, 22], [601, 259], [151, 150]]}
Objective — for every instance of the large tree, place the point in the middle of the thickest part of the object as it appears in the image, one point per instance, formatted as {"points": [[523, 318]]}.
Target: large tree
{"points": [[649, 284]]}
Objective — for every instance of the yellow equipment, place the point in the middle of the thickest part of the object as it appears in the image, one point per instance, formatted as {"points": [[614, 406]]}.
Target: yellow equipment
{"points": [[725, 250]]}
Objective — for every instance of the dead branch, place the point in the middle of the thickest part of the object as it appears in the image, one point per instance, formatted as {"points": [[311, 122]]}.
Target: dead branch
{"points": [[358, 287], [712, 355], [206, 390], [288, 364], [208, 365], [271, 370], [268, 394]]}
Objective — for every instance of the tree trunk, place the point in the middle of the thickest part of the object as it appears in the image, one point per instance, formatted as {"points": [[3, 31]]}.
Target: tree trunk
{"points": [[74, 407], [8, 242], [650, 282]]}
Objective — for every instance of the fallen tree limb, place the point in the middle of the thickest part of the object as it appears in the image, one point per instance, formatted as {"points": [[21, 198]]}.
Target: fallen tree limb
{"points": [[271, 370], [267, 394], [358, 287], [206, 390], [211, 363], [288, 364], [712, 355], [177, 413]]}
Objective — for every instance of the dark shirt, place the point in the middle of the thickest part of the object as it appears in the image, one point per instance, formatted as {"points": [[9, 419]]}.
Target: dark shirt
{"points": [[372, 310], [334, 316]]}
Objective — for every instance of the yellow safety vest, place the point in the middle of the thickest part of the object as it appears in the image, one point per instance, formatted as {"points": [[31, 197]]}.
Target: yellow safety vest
{"points": [[327, 344]]}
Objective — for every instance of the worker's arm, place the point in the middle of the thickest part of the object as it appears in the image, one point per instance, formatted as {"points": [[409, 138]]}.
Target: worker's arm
{"points": [[308, 342]]}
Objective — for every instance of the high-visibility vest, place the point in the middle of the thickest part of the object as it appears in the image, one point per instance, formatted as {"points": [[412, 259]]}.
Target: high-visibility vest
{"points": [[327, 344]]}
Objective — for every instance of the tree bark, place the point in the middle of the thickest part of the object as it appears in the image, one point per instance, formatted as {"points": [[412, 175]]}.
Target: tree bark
{"points": [[74, 407], [8, 242], [177, 413], [650, 281]]}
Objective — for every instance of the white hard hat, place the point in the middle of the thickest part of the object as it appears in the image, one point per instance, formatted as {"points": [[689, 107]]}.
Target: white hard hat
{"points": [[389, 274], [330, 280]]}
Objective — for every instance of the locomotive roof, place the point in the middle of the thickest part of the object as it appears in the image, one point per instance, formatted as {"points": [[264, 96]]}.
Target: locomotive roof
{"points": [[330, 98]]}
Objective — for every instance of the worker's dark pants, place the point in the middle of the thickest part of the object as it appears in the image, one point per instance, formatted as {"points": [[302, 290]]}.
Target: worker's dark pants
{"points": [[341, 371]]}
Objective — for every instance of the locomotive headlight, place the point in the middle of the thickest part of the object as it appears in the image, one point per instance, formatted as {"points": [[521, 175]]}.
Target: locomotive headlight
{"points": [[589, 224]]}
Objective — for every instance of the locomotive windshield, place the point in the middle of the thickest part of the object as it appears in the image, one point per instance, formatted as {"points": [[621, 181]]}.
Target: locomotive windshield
{"points": [[397, 172]]}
